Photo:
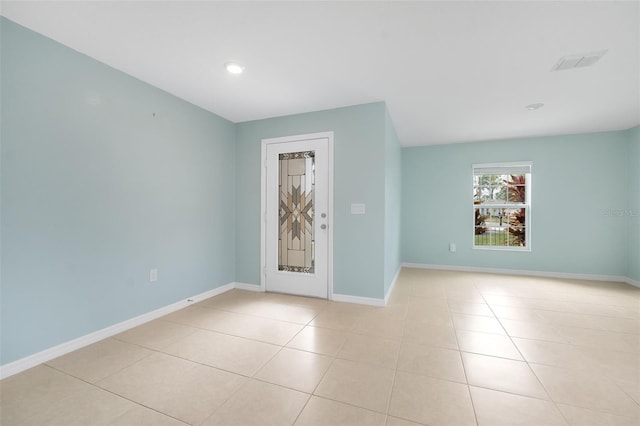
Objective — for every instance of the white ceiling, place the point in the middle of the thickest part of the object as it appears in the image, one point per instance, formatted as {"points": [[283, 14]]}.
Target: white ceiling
{"points": [[448, 71]]}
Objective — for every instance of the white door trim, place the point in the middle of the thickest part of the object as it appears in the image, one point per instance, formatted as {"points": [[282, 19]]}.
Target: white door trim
{"points": [[263, 204]]}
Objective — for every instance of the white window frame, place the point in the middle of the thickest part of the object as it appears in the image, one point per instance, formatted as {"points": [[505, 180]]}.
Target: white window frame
{"points": [[504, 168]]}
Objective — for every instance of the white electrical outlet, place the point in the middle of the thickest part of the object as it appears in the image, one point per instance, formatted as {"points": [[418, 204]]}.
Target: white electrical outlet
{"points": [[153, 275], [452, 247]]}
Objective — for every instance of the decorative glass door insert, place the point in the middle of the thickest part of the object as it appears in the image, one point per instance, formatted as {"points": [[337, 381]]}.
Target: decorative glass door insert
{"points": [[296, 182]]}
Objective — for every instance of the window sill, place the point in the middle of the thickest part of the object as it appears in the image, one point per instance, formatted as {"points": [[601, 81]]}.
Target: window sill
{"points": [[500, 248]]}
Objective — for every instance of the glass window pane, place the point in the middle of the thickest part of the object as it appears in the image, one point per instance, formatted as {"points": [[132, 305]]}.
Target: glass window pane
{"points": [[516, 188], [500, 227], [296, 185], [517, 226]]}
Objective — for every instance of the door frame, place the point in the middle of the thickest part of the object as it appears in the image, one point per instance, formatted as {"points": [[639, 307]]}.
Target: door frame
{"points": [[263, 203]]}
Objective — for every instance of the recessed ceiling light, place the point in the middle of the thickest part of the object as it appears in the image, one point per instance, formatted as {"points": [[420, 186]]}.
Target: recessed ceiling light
{"points": [[533, 107], [234, 68]]}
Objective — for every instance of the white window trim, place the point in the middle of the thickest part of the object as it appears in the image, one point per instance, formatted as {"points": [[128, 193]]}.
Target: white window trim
{"points": [[526, 205]]}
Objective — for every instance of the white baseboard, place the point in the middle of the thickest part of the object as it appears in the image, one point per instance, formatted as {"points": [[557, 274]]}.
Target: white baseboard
{"points": [[357, 299], [632, 282], [334, 297], [249, 287], [567, 275], [48, 354], [393, 284]]}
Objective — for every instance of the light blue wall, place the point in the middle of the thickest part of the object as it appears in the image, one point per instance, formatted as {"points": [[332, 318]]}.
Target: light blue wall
{"points": [[105, 177], [633, 209], [576, 184], [359, 163], [393, 202], [96, 191]]}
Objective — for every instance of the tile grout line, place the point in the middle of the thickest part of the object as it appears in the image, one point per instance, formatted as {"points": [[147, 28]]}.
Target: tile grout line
{"points": [[551, 399], [47, 363], [313, 392], [395, 370], [464, 367], [333, 358], [579, 348], [95, 385], [524, 359], [252, 377], [503, 327], [226, 333]]}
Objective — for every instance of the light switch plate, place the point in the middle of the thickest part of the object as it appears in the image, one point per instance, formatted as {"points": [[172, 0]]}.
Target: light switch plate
{"points": [[357, 208]]}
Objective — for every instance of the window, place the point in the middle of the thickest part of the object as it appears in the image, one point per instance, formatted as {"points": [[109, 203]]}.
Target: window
{"points": [[502, 206]]}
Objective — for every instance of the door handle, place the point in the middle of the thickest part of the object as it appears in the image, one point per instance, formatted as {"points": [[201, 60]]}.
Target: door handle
{"points": [[323, 226]]}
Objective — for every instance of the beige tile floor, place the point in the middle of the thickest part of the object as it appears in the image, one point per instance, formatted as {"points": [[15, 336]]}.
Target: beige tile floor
{"points": [[449, 349]]}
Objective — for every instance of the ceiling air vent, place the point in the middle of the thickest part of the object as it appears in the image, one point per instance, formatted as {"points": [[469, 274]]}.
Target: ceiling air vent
{"points": [[578, 61]]}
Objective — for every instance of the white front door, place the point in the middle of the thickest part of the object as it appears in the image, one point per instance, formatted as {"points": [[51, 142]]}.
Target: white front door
{"points": [[297, 216]]}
